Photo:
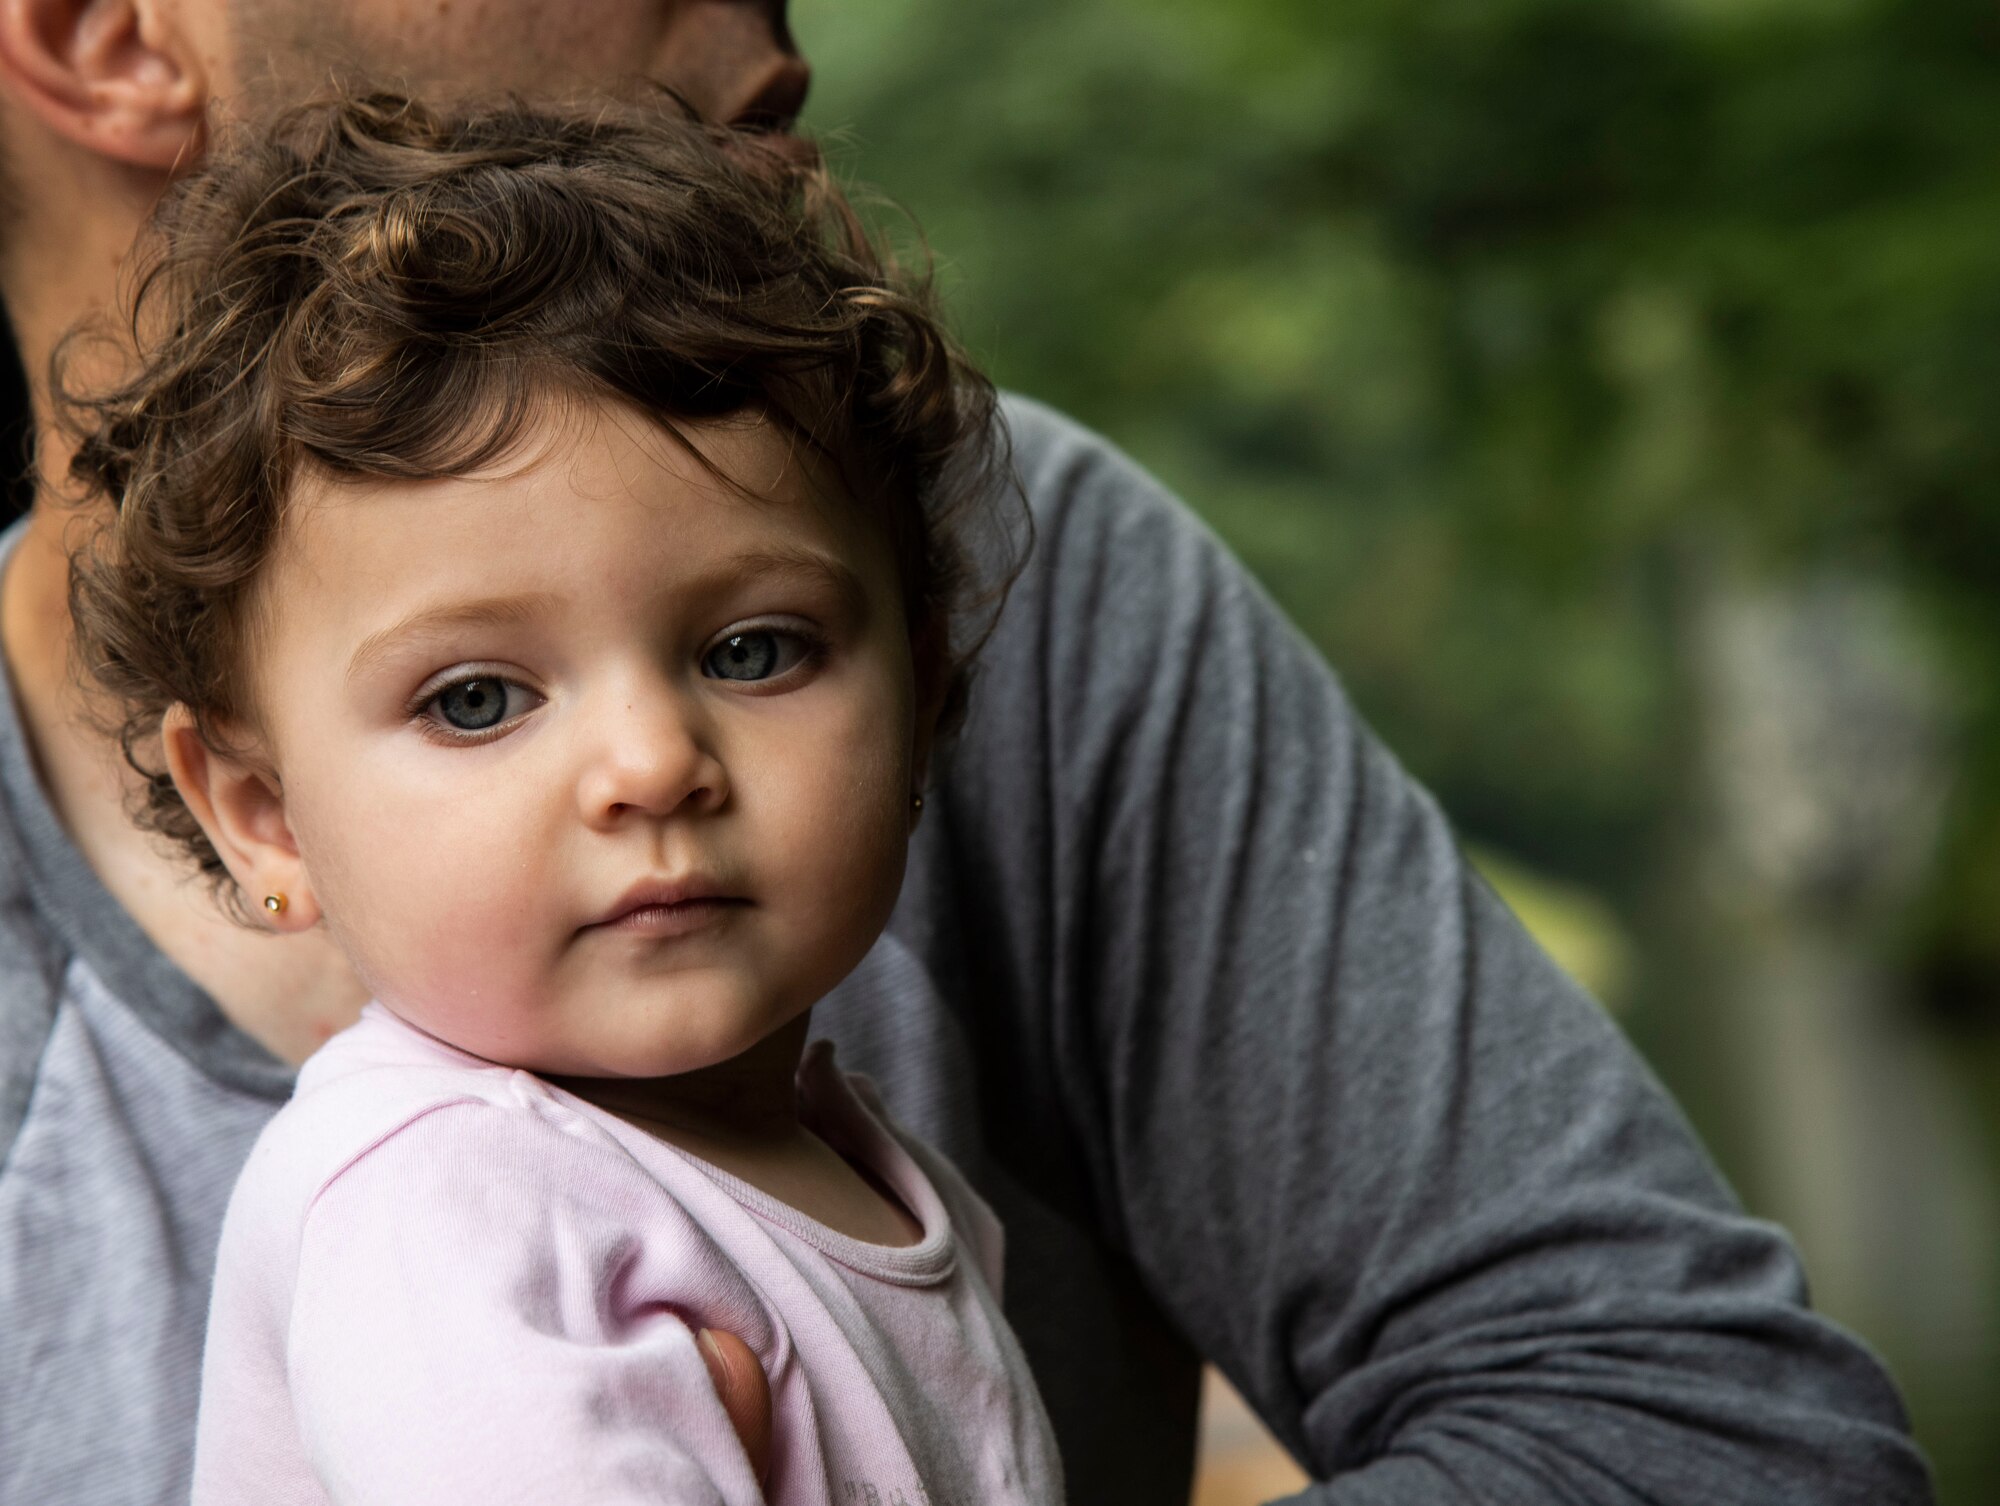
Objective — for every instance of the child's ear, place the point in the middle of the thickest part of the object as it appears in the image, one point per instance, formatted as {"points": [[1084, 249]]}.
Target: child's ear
{"points": [[242, 809]]}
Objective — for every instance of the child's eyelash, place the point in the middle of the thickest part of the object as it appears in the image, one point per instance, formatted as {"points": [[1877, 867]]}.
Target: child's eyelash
{"points": [[813, 647], [431, 728]]}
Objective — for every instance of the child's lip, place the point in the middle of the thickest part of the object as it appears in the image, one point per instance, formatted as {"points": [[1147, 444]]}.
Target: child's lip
{"points": [[670, 920], [668, 907]]}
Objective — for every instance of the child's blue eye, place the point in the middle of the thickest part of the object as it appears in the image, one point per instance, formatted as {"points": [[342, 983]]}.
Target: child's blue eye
{"points": [[755, 655], [472, 705]]}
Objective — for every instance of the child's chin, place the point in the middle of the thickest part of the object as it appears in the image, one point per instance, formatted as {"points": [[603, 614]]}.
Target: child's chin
{"points": [[668, 1058]]}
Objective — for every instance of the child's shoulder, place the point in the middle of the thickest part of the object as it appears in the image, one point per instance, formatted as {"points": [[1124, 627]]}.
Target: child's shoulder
{"points": [[372, 1082]]}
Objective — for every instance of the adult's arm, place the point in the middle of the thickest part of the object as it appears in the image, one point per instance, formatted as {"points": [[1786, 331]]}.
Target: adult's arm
{"points": [[1368, 1146]]}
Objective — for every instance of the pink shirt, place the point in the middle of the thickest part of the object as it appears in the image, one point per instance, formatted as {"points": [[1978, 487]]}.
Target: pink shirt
{"points": [[443, 1281]]}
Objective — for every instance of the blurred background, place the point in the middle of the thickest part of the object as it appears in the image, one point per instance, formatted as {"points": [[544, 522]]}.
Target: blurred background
{"points": [[1606, 386]]}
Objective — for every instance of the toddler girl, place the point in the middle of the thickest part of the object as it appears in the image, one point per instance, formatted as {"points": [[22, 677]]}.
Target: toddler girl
{"points": [[546, 549]]}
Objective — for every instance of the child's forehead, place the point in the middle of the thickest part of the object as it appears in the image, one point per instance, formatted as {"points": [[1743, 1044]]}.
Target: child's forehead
{"points": [[595, 446], [590, 502]]}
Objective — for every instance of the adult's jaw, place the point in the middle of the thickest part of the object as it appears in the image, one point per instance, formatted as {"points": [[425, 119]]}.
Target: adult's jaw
{"points": [[775, 98], [770, 110]]}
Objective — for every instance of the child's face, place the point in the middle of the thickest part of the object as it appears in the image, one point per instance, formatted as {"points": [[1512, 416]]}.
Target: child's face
{"points": [[506, 711]]}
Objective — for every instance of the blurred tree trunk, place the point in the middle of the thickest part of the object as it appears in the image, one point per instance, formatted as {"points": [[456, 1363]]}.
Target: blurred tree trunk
{"points": [[1824, 748]]}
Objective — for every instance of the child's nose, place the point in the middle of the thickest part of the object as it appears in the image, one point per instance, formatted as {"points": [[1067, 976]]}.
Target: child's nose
{"points": [[651, 754]]}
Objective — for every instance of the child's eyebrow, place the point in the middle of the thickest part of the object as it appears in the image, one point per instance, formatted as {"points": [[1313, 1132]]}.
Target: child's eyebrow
{"points": [[490, 611], [797, 560]]}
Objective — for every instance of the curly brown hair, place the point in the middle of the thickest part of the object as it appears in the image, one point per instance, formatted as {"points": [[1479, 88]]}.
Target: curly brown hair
{"points": [[376, 287]]}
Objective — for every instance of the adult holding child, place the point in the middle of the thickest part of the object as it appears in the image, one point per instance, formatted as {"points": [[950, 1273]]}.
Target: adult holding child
{"points": [[1186, 974]]}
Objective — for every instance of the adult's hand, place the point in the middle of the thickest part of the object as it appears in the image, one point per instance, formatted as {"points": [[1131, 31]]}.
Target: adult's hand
{"points": [[746, 1394]]}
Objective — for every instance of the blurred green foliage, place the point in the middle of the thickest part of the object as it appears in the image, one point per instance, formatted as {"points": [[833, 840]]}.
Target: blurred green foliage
{"points": [[1467, 321], [1483, 329]]}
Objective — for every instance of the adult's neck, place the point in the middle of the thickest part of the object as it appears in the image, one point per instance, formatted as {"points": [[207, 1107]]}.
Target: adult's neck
{"points": [[62, 251], [61, 258], [61, 255]]}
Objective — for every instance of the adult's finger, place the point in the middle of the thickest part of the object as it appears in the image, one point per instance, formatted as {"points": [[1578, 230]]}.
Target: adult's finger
{"points": [[746, 1394]]}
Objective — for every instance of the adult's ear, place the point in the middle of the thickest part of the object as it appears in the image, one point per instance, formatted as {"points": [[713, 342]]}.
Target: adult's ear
{"points": [[121, 78], [242, 809]]}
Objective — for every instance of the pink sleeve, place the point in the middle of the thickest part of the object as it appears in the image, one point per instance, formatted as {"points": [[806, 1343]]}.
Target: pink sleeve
{"points": [[477, 1319]]}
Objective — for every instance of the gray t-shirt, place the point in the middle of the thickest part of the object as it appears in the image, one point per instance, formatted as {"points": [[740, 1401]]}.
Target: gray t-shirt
{"points": [[1191, 980]]}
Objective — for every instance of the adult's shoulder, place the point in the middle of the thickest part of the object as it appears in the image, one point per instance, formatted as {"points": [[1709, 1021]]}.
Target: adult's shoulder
{"points": [[32, 960], [1076, 479], [1130, 604], [1111, 540]]}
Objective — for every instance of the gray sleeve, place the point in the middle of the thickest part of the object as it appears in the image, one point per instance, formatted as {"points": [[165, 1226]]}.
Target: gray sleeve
{"points": [[1367, 1146]]}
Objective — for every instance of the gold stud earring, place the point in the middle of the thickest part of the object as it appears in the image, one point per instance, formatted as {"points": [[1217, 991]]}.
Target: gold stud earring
{"points": [[916, 802], [275, 903]]}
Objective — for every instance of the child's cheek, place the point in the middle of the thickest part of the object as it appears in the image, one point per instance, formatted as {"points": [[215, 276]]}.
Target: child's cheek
{"points": [[471, 926], [446, 920], [467, 972], [837, 839]]}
